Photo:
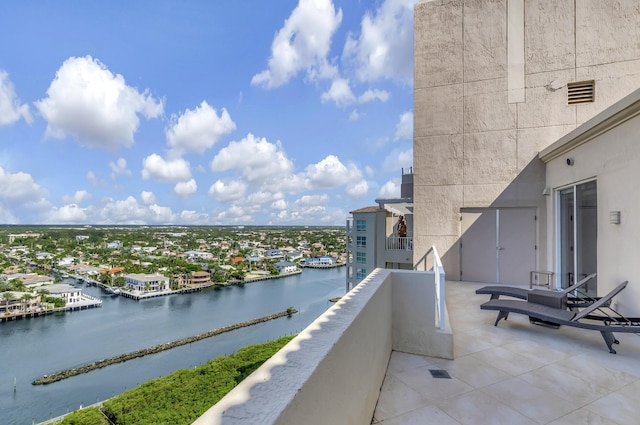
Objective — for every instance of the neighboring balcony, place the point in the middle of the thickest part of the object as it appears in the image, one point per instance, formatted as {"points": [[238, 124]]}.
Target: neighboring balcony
{"points": [[397, 243], [398, 250]]}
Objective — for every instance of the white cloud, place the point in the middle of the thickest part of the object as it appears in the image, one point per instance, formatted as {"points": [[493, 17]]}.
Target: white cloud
{"points": [[68, 214], [87, 101], [6, 216], [129, 211], [10, 108], [279, 205], [264, 196], [404, 128], [313, 200], [19, 188], [358, 189], [168, 171], [119, 167], [369, 171], [390, 190], [339, 92], [235, 214], [397, 160], [77, 197], [92, 178], [256, 158], [354, 116], [302, 44], [147, 198], [185, 189], [384, 49], [330, 172], [226, 192], [193, 217], [198, 130], [374, 94]]}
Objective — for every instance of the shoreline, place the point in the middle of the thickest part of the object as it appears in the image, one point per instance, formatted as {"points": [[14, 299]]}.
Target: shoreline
{"points": [[68, 373]]}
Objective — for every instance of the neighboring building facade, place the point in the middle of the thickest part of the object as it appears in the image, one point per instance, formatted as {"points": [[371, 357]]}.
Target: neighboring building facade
{"points": [[493, 86], [372, 235]]}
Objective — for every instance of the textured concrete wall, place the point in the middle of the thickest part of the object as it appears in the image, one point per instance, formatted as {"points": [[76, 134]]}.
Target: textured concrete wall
{"points": [[614, 158], [472, 148]]}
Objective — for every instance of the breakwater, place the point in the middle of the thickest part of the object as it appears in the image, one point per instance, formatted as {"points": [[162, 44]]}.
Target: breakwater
{"points": [[68, 373]]}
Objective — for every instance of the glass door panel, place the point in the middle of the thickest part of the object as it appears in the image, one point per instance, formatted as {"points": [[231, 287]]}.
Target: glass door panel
{"points": [[587, 233], [566, 237]]}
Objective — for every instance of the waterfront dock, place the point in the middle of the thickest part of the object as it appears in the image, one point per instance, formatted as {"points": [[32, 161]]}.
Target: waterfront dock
{"points": [[37, 313], [321, 266]]}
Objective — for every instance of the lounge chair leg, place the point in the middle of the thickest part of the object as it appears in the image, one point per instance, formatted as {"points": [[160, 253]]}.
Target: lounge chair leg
{"points": [[501, 315], [609, 339]]}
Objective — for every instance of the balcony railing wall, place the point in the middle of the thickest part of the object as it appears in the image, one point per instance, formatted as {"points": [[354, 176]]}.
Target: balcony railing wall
{"points": [[331, 373]]}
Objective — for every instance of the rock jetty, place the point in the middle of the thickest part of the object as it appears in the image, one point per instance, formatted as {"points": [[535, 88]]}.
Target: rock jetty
{"points": [[59, 376]]}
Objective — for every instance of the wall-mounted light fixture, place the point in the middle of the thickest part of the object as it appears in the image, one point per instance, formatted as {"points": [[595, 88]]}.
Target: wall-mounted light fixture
{"points": [[614, 217], [569, 162]]}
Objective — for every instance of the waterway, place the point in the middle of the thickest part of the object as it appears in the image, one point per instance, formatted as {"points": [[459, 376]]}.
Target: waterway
{"points": [[31, 348]]}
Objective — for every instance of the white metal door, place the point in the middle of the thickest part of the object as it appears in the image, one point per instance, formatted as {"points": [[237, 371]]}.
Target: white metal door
{"points": [[498, 245]]}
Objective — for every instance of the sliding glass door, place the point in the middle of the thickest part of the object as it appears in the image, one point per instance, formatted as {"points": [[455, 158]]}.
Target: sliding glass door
{"points": [[577, 226]]}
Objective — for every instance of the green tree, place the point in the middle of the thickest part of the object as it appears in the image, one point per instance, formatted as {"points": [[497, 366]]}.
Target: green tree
{"points": [[25, 300]]}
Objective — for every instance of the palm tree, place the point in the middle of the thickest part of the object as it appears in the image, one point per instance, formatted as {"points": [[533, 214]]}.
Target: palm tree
{"points": [[8, 296], [25, 301]]}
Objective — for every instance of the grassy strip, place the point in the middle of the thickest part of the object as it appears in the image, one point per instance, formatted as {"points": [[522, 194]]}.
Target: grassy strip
{"points": [[181, 397]]}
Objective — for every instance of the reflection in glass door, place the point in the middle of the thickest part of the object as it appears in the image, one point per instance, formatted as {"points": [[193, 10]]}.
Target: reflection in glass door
{"points": [[577, 234]]}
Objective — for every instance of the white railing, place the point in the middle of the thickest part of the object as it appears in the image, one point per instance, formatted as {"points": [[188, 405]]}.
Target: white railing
{"points": [[399, 243], [431, 261]]}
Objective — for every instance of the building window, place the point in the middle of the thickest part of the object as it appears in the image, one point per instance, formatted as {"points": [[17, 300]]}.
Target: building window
{"points": [[361, 241], [361, 273], [361, 225], [361, 257]]}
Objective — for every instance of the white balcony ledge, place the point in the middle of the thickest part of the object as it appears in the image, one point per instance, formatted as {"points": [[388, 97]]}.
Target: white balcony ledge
{"points": [[332, 372]]}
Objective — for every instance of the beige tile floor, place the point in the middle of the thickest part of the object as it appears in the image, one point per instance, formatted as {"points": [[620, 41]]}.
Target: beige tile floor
{"points": [[515, 373]]}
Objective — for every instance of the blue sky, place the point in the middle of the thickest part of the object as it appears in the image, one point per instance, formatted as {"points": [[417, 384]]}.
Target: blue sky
{"points": [[203, 112]]}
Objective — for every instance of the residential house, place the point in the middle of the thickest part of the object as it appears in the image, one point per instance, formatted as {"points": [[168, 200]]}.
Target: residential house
{"points": [[199, 278], [273, 253], [293, 255], [15, 302], [197, 255], [146, 282], [114, 245], [284, 267]]}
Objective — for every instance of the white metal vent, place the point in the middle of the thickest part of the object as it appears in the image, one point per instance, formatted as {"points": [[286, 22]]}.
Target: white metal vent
{"points": [[581, 92]]}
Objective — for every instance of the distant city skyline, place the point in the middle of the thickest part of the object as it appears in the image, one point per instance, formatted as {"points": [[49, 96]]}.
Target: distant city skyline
{"points": [[203, 113]]}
